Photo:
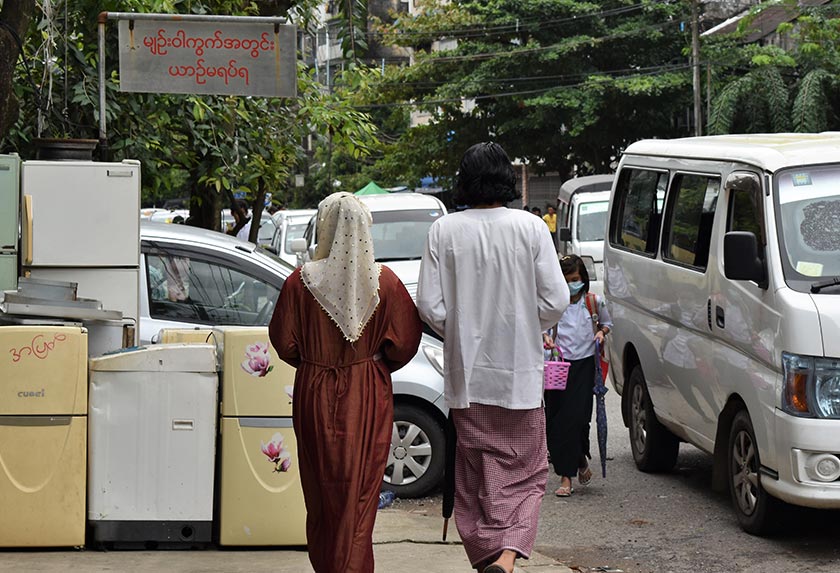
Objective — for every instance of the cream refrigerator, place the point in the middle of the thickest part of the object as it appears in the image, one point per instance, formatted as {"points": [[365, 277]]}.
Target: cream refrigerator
{"points": [[9, 196], [261, 500], [43, 435], [80, 222]]}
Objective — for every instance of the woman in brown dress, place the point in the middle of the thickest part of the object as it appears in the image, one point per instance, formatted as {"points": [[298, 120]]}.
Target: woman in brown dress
{"points": [[345, 322]]}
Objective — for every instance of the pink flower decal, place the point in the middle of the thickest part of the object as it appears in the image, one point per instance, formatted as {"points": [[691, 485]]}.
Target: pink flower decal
{"points": [[290, 392], [257, 360], [277, 453]]}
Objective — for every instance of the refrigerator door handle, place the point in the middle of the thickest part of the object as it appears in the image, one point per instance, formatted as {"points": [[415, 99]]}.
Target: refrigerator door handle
{"points": [[188, 425], [120, 173], [27, 229]]}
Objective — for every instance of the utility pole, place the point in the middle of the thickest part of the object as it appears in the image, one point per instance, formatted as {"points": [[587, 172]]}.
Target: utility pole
{"points": [[695, 68]]}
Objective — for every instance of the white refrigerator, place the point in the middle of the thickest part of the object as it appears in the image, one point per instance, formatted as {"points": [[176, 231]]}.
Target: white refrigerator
{"points": [[9, 196], [80, 222]]}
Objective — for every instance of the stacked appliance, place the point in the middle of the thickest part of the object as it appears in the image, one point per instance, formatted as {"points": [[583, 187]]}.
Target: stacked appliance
{"points": [[261, 500], [43, 435], [80, 222], [153, 444], [9, 194]]}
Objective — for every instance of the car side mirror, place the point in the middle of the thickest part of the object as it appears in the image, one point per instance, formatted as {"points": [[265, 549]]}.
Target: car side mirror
{"points": [[741, 261], [565, 234], [298, 245]]}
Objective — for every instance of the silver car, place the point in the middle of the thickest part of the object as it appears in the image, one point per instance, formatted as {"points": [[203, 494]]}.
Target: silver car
{"points": [[225, 281]]}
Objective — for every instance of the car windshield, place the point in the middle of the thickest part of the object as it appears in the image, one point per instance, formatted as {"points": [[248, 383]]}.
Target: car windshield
{"points": [[592, 221], [401, 235], [808, 212], [293, 232]]}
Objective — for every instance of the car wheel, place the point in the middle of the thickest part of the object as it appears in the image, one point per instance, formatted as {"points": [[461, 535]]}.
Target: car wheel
{"points": [[416, 460], [654, 448], [755, 508]]}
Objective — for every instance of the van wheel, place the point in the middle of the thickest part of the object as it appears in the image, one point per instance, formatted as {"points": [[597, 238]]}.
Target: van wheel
{"points": [[755, 508], [654, 448], [418, 449]]}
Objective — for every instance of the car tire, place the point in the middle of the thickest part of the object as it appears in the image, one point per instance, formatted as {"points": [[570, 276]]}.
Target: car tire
{"points": [[416, 460], [756, 509], [654, 447]]}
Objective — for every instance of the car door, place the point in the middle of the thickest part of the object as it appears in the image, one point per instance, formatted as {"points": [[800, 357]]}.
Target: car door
{"points": [[186, 286], [688, 350]]}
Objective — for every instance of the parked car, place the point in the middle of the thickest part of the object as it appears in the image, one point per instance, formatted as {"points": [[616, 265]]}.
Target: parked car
{"points": [[723, 275], [582, 205], [196, 278], [401, 222], [290, 224]]}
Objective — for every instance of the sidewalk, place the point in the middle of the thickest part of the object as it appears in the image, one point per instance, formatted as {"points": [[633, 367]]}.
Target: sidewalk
{"points": [[404, 542]]}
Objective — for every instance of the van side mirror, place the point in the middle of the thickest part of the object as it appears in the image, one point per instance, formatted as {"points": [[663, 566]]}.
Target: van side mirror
{"points": [[564, 234], [741, 261], [298, 245]]}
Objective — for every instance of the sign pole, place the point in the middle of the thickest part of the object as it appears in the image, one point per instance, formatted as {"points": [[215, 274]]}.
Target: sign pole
{"points": [[103, 134]]}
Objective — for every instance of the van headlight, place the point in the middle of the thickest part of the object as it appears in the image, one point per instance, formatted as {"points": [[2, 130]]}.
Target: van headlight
{"points": [[812, 386], [435, 356]]}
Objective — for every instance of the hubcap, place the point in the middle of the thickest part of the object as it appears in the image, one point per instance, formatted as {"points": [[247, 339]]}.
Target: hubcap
{"points": [[744, 475], [411, 454], [638, 418]]}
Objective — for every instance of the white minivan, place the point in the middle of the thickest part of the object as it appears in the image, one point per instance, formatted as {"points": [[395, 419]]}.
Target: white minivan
{"points": [[723, 274], [582, 205]]}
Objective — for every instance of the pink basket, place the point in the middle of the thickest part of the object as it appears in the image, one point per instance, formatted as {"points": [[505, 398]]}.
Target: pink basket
{"points": [[556, 373]]}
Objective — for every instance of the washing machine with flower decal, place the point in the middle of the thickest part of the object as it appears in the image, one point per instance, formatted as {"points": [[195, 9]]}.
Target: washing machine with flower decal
{"points": [[261, 500]]}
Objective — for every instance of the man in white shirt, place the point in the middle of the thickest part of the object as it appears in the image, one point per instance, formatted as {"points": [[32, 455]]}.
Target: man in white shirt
{"points": [[490, 283]]}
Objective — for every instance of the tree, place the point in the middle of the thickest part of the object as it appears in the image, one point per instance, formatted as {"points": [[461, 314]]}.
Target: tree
{"points": [[199, 146], [563, 84], [784, 90], [15, 16]]}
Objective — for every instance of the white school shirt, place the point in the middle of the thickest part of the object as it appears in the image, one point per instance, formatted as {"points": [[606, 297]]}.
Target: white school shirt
{"points": [[575, 334], [490, 283]]}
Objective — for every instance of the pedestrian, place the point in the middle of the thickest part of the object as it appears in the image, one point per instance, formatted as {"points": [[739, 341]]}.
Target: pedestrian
{"points": [[346, 323], [550, 219], [242, 222], [569, 412], [489, 284], [536, 211]]}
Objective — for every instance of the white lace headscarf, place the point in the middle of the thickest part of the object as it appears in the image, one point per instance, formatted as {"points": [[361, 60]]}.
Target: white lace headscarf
{"points": [[343, 275]]}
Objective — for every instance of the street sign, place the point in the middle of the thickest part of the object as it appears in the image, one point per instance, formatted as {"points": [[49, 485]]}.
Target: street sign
{"points": [[197, 57]]}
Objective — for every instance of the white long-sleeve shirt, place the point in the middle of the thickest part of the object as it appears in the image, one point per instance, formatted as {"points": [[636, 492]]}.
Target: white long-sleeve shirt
{"points": [[575, 336], [490, 283]]}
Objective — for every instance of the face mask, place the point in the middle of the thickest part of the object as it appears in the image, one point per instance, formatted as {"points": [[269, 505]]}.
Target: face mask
{"points": [[575, 287]]}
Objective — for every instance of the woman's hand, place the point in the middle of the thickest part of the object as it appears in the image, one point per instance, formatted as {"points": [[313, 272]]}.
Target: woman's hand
{"points": [[599, 337]]}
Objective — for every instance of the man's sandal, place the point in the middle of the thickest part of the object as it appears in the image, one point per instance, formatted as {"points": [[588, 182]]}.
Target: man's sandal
{"points": [[584, 475]]}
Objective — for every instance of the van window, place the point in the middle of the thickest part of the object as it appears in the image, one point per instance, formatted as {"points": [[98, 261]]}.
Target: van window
{"points": [[745, 213], [592, 221], [691, 212], [636, 219]]}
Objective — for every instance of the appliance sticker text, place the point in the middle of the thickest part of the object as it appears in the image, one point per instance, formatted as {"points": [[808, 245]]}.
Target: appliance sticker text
{"points": [[39, 348]]}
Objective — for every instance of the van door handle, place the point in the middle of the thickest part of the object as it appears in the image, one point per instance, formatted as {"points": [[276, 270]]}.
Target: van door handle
{"points": [[719, 317], [709, 312]]}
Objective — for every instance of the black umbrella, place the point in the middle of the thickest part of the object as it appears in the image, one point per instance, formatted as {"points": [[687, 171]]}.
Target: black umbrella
{"points": [[601, 410], [449, 474]]}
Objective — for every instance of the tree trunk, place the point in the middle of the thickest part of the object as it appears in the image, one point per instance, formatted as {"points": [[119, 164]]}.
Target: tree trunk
{"points": [[15, 16]]}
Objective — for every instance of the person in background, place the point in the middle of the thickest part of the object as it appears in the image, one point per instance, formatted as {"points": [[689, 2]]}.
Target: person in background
{"points": [[242, 222], [346, 323], [490, 303], [536, 211], [550, 219], [569, 412]]}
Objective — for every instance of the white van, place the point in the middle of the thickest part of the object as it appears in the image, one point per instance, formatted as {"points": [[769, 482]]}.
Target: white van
{"points": [[723, 275], [582, 205]]}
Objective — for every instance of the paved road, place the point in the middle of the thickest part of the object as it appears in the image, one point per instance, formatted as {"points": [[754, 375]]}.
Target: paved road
{"points": [[671, 523]]}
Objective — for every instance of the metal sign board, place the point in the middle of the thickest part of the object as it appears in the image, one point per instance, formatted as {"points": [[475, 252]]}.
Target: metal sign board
{"points": [[224, 58]]}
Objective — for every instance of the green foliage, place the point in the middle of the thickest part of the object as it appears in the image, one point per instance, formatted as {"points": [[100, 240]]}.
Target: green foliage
{"points": [[563, 84], [760, 99], [199, 146]]}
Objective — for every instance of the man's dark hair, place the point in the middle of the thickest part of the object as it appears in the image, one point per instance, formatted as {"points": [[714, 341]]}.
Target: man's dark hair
{"points": [[485, 176], [571, 263]]}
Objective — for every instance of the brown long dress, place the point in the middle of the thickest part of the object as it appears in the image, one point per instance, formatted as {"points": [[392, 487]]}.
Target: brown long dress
{"points": [[343, 414]]}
